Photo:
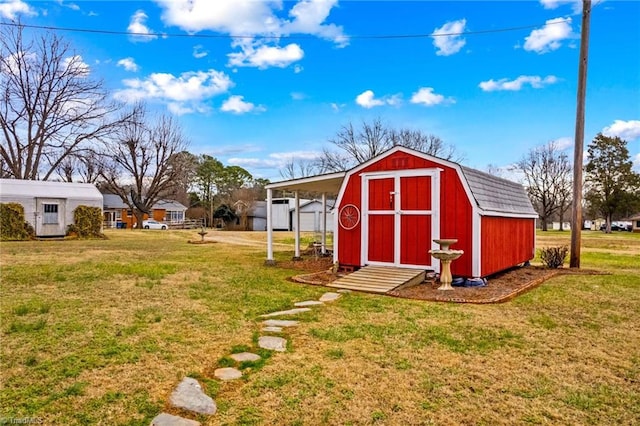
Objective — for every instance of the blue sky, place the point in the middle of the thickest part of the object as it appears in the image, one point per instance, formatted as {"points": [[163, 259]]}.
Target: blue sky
{"points": [[260, 82]]}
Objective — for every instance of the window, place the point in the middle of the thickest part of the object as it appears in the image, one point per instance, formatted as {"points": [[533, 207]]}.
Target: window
{"points": [[50, 214], [175, 216]]}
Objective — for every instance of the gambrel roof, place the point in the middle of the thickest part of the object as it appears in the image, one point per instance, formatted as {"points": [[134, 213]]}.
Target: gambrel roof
{"points": [[496, 194]]}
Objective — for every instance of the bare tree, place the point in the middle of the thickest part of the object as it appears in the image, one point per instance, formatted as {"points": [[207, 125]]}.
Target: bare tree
{"points": [[138, 164], [353, 146], [50, 104], [296, 168], [547, 177], [83, 167]]}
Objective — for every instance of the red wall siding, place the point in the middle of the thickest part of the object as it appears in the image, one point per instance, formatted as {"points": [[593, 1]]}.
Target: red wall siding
{"points": [[506, 242], [455, 209]]}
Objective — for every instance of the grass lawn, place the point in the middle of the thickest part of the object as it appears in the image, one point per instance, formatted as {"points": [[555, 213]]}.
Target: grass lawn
{"points": [[101, 331]]}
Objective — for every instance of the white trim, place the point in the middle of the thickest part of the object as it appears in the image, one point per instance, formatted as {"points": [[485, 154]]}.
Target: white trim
{"points": [[297, 223], [511, 215], [305, 180], [476, 242], [397, 212], [269, 225]]}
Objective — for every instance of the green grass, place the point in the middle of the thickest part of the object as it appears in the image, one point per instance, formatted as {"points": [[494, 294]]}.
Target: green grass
{"points": [[101, 331]]}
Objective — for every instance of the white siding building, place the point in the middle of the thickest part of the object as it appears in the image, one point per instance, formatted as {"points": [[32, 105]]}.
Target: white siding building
{"points": [[49, 206]]}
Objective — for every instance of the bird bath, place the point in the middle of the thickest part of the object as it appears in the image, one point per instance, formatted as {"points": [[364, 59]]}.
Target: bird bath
{"points": [[202, 233], [445, 255]]}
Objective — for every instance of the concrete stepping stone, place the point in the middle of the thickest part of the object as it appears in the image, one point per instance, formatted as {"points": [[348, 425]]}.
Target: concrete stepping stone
{"points": [[329, 297], [189, 395], [308, 303], [279, 323], [272, 329], [227, 373], [164, 419], [245, 356], [287, 312], [273, 343]]}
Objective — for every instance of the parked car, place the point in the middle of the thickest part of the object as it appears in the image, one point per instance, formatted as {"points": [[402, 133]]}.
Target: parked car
{"points": [[154, 224], [616, 227]]}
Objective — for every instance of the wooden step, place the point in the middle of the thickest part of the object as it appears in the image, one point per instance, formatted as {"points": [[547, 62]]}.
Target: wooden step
{"points": [[379, 279]]}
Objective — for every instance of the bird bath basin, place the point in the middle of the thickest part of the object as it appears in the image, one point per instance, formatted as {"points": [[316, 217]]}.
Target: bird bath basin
{"points": [[445, 255], [202, 233]]}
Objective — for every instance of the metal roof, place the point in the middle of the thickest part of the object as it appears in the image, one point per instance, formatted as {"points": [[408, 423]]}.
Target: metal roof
{"points": [[113, 201], [496, 194], [48, 189]]}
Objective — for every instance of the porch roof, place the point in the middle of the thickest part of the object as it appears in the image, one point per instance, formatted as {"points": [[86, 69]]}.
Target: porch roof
{"points": [[328, 183]]}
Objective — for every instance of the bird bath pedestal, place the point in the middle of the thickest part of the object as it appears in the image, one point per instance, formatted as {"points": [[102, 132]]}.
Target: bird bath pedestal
{"points": [[445, 255], [202, 233]]}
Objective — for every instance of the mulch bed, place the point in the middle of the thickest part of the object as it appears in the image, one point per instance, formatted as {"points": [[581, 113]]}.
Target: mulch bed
{"points": [[500, 287]]}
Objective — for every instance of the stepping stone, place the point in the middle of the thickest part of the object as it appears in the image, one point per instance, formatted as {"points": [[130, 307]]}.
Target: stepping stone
{"points": [[189, 395], [227, 373], [307, 303], [329, 297], [272, 343], [272, 329], [164, 419], [280, 323], [289, 312], [245, 356]]}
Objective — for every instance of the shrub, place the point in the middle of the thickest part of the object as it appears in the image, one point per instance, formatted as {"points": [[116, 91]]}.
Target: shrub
{"points": [[12, 223], [554, 257], [87, 222]]}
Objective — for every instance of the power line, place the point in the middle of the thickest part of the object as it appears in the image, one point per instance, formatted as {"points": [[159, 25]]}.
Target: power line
{"points": [[275, 37]]}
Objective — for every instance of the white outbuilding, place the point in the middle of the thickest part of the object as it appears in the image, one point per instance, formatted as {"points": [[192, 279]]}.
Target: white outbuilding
{"points": [[49, 206]]}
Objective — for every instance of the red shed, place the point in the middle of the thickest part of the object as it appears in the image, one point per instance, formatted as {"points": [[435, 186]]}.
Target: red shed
{"points": [[391, 208]]}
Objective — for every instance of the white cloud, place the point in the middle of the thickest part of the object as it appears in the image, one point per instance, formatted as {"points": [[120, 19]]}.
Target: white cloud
{"points": [[274, 160], [298, 96], [259, 55], [627, 130], [337, 107], [251, 17], [198, 51], [128, 64], [534, 81], [308, 17], [550, 36], [553, 4], [71, 6], [76, 65], [449, 44], [185, 93], [138, 25], [368, 100], [12, 8], [564, 143], [425, 96], [297, 69], [237, 105]]}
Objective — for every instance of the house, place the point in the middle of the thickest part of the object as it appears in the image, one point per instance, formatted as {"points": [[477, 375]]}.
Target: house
{"points": [[118, 215], [48, 206], [283, 210], [390, 209]]}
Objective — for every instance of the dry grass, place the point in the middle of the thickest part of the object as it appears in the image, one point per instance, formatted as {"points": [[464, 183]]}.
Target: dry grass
{"points": [[99, 332]]}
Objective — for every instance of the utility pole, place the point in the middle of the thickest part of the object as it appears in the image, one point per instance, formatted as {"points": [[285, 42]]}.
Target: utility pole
{"points": [[576, 215]]}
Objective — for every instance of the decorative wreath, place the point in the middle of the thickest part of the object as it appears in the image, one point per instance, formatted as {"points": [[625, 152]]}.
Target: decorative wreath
{"points": [[349, 216]]}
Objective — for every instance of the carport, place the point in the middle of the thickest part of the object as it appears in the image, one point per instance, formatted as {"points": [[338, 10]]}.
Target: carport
{"points": [[327, 184]]}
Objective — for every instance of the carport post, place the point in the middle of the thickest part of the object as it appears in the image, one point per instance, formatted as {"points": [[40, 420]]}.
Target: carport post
{"points": [[269, 260], [297, 231], [324, 223]]}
